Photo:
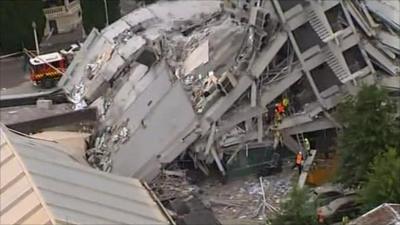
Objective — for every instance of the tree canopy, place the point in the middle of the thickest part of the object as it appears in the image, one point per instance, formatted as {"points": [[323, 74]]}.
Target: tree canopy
{"points": [[93, 13], [16, 17], [370, 128], [383, 182], [297, 210]]}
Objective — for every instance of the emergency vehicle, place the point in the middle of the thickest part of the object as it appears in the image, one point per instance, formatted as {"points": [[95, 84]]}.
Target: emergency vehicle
{"points": [[42, 73], [47, 69]]}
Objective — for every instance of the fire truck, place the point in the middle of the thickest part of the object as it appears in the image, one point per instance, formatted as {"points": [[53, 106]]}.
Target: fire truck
{"points": [[47, 69]]}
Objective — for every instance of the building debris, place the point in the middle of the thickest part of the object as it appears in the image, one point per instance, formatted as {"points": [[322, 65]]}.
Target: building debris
{"points": [[32, 119], [229, 86], [205, 80], [248, 199], [239, 201], [75, 142]]}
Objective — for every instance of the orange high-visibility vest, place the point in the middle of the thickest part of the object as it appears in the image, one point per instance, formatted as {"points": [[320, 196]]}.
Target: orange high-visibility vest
{"points": [[299, 158], [280, 108]]}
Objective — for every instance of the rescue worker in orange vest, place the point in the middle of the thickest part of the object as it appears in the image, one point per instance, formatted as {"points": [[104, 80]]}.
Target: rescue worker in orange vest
{"points": [[279, 108], [299, 161], [279, 112]]}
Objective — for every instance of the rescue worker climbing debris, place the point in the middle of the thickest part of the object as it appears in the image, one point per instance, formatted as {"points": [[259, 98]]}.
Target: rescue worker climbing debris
{"points": [[279, 112], [278, 116], [279, 108], [277, 119], [278, 140]]}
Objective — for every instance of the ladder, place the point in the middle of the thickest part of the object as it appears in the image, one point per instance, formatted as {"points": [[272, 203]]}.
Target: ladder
{"points": [[300, 140], [299, 136]]}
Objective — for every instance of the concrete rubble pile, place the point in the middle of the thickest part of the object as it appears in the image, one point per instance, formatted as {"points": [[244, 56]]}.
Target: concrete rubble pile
{"points": [[203, 77], [248, 199], [245, 200]]}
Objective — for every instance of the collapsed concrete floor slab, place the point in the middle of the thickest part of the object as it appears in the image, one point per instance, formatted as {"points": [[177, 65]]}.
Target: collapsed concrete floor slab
{"points": [[202, 78]]}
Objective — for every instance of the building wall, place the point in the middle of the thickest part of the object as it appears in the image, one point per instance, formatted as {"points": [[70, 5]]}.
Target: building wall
{"points": [[67, 17]]}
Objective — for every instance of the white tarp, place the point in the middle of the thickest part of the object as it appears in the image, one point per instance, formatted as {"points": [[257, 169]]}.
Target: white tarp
{"points": [[74, 142], [196, 58]]}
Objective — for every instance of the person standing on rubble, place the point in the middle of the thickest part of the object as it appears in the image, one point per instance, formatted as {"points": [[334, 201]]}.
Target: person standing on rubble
{"points": [[285, 102], [307, 146], [299, 161]]}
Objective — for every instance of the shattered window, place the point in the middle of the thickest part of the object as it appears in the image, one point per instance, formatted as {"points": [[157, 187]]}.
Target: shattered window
{"points": [[354, 59], [324, 77], [336, 18], [147, 57], [306, 37]]}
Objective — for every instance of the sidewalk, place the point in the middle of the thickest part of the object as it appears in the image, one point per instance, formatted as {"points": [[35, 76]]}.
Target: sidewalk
{"points": [[12, 72]]}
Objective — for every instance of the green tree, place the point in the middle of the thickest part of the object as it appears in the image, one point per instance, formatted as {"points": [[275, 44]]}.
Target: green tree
{"points": [[298, 210], [370, 128], [16, 17], [383, 182], [93, 13]]}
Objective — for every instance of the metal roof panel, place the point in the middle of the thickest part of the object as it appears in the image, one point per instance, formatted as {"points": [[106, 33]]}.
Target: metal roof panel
{"points": [[72, 192]]}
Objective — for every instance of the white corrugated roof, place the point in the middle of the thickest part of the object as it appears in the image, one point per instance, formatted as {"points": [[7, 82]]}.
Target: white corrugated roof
{"points": [[42, 185]]}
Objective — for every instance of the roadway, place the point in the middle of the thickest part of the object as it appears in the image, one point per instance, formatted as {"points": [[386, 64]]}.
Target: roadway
{"points": [[14, 80], [12, 72]]}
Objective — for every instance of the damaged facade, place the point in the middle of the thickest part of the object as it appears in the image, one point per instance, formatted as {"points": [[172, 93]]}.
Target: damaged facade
{"points": [[202, 77]]}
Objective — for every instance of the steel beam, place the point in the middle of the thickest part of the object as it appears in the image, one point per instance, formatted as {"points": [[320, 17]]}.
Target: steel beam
{"points": [[224, 103], [253, 96], [383, 60], [74, 117], [306, 168], [290, 143], [301, 118], [211, 139], [56, 95], [260, 128], [275, 89], [318, 124]]}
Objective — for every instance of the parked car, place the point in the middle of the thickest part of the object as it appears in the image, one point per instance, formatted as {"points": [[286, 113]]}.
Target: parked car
{"points": [[338, 208], [322, 195], [71, 49]]}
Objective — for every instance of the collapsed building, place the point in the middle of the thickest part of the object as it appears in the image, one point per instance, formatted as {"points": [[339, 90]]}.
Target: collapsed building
{"points": [[202, 77]]}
